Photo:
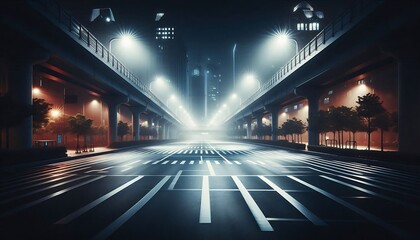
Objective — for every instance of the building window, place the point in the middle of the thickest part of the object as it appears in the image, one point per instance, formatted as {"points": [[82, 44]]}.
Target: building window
{"points": [[295, 107], [330, 92], [360, 82], [286, 110], [326, 100]]}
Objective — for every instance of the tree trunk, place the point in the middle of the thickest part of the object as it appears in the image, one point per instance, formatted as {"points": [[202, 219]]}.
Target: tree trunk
{"points": [[368, 133], [382, 140], [77, 144]]}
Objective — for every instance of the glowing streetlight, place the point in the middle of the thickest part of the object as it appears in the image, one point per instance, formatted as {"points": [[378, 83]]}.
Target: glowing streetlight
{"points": [[284, 38], [250, 79], [55, 113], [127, 39], [172, 97], [36, 91], [158, 80], [235, 96]]}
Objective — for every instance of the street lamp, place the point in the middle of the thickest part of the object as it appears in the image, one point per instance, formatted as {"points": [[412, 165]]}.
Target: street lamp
{"points": [[158, 80], [234, 96], [172, 97], [250, 78], [233, 58], [126, 38], [284, 38]]}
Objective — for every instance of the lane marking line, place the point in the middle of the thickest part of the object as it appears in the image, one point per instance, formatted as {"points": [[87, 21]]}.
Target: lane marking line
{"points": [[171, 187], [370, 217], [205, 211], [110, 229], [300, 207], [261, 220], [210, 167], [95, 203]]}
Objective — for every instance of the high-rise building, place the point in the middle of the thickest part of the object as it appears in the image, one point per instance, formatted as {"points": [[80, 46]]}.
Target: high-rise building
{"points": [[213, 81], [306, 22], [198, 94], [171, 53]]}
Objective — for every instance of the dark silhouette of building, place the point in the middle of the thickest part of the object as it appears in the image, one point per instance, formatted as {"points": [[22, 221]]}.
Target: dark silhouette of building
{"points": [[213, 79], [171, 53], [305, 22], [197, 93]]}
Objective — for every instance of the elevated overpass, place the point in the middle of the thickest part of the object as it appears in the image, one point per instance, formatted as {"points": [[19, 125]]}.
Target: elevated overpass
{"points": [[39, 35], [367, 36]]}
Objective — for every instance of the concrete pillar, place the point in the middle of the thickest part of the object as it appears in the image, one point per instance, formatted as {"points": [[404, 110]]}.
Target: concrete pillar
{"points": [[156, 120], [312, 95], [113, 102], [241, 127], [408, 104], [248, 128], [136, 111], [274, 110], [150, 123], [20, 81], [259, 117]]}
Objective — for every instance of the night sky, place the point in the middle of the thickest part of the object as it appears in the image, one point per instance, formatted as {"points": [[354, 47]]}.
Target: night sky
{"points": [[208, 28]]}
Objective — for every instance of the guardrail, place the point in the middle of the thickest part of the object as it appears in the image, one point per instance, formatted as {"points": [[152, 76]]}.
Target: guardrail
{"points": [[325, 37], [85, 38]]}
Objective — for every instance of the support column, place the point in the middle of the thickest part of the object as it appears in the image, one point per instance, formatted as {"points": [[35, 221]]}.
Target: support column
{"points": [[20, 83], [408, 104], [241, 127], [312, 94], [136, 111], [248, 127], [274, 110], [259, 117], [150, 124], [156, 120], [113, 102]]}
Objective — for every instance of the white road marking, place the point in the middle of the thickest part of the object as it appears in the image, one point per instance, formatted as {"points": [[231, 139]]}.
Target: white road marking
{"points": [[130, 212], [130, 163], [205, 213], [174, 162], [165, 162], [263, 163], [183, 162], [262, 221], [43, 199], [210, 167], [217, 162], [147, 162], [126, 169], [302, 209], [171, 187], [372, 218], [237, 162], [191, 162], [95, 203]]}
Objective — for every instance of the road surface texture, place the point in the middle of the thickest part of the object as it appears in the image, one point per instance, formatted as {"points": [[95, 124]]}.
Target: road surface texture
{"points": [[209, 190]]}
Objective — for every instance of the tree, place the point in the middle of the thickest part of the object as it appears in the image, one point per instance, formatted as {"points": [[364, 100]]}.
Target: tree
{"points": [[79, 125], [40, 113], [322, 124], [384, 122], [122, 129], [59, 125], [369, 106], [293, 127]]}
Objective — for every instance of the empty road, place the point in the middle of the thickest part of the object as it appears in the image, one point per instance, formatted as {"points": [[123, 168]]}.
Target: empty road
{"points": [[209, 190]]}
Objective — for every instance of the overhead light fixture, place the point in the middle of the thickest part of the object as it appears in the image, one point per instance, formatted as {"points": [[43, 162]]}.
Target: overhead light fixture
{"points": [[159, 16], [103, 13]]}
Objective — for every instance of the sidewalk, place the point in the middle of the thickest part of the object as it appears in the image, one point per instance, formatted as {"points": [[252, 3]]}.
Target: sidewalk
{"points": [[97, 151]]}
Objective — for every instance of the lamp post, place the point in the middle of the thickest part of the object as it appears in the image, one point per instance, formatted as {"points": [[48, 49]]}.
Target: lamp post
{"points": [[233, 58], [283, 38], [251, 78], [234, 96], [126, 38]]}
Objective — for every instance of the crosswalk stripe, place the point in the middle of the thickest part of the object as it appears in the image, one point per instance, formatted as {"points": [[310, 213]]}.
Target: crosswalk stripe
{"points": [[165, 162], [174, 162], [217, 162], [237, 162], [191, 162], [182, 162]]}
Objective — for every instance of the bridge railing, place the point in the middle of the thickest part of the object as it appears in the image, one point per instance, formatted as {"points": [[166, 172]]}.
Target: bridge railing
{"points": [[86, 38], [328, 35]]}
